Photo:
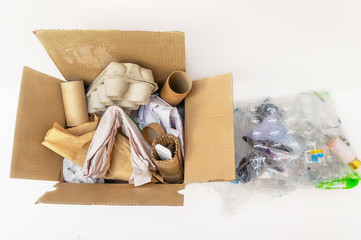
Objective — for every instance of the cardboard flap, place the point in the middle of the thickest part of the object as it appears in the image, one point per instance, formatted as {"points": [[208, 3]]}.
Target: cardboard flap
{"points": [[83, 54], [40, 105], [114, 194], [209, 134]]}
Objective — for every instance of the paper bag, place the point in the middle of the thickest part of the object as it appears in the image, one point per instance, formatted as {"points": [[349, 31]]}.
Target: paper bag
{"points": [[71, 143], [120, 165]]}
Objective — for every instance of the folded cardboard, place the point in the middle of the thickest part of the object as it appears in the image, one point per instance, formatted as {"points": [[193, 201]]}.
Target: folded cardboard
{"points": [[82, 55]]}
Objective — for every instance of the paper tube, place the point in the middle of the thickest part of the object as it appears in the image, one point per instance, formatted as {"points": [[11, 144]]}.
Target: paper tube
{"points": [[171, 170], [75, 107], [151, 131], [176, 88]]}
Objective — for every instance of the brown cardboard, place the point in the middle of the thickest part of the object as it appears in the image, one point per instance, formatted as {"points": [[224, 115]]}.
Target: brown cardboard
{"points": [[176, 88], [151, 131], [40, 105], [209, 143], [76, 111], [209, 134], [114, 194], [84, 54], [171, 170]]}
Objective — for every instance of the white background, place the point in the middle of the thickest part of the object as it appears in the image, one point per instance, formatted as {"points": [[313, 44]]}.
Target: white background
{"points": [[272, 48]]}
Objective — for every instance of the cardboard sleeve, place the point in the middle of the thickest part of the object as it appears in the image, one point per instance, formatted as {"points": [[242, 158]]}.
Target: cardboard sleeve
{"points": [[176, 88], [152, 131], [75, 107], [171, 170]]}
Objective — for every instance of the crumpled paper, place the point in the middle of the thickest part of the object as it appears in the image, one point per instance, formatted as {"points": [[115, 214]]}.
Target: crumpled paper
{"points": [[97, 161], [71, 143], [72, 173], [120, 166]]}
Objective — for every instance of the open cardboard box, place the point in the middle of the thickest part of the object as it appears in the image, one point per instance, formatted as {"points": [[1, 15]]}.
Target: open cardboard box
{"points": [[82, 55]]}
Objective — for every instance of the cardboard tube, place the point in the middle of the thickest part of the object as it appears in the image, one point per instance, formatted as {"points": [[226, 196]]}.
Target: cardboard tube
{"points": [[75, 107], [152, 131], [176, 88], [171, 170]]}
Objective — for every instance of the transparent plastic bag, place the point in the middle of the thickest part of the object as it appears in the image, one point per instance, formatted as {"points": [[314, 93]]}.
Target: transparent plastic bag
{"points": [[281, 143]]}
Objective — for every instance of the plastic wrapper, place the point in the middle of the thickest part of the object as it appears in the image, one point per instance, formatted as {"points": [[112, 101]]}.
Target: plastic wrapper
{"points": [[281, 143]]}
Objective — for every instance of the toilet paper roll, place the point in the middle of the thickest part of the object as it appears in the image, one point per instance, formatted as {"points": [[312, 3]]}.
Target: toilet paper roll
{"points": [[176, 88], [171, 170], [152, 131], [75, 106]]}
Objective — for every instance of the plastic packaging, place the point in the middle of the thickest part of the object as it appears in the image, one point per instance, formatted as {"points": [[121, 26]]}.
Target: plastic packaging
{"points": [[345, 153], [281, 143]]}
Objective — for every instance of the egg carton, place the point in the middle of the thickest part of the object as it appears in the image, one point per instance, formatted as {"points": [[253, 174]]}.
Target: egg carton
{"points": [[124, 84]]}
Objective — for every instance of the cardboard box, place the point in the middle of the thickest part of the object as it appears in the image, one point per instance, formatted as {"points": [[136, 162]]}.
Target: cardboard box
{"points": [[82, 55]]}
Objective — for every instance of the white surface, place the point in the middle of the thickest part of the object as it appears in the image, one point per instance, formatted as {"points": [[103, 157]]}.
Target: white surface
{"points": [[272, 48]]}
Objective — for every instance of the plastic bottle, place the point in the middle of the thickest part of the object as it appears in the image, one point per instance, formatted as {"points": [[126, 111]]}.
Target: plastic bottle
{"points": [[345, 153]]}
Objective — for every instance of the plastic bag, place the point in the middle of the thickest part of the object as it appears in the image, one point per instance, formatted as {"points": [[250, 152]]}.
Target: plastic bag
{"points": [[281, 143]]}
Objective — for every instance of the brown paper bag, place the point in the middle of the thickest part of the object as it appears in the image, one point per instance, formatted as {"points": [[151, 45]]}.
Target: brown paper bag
{"points": [[71, 143], [120, 165]]}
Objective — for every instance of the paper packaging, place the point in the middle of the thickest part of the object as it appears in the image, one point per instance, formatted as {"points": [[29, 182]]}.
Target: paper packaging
{"points": [[97, 160], [171, 170], [127, 85], [71, 143], [151, 131], [176, 88], [75, 107], [82, 55], [120, 164]]}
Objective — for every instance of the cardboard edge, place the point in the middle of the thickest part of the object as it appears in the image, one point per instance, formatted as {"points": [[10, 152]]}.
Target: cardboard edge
{"points": [[232, 176], [36, 31], [59, 64], [14, 174], [48, 198]]}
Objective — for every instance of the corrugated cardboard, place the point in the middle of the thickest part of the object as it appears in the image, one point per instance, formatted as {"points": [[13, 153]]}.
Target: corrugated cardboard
{"points": [[114, 194], [84, 54], [40, 105], [209, 137], [172, 169], [81, 55]]}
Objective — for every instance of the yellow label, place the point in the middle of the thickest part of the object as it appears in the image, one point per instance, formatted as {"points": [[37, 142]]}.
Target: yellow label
{"points": [[355, 164], [316, 151]]}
